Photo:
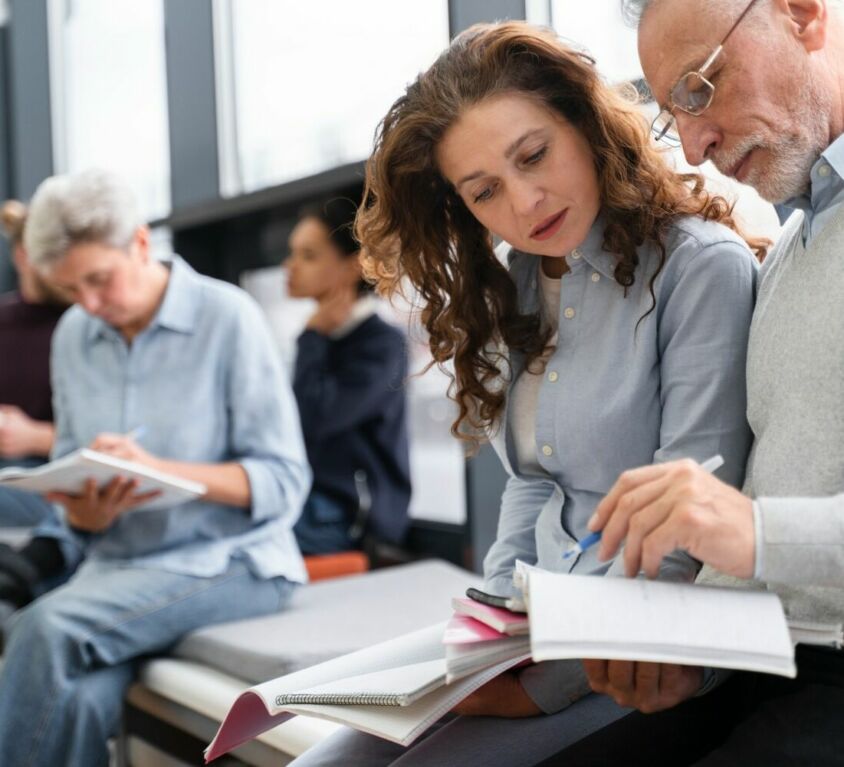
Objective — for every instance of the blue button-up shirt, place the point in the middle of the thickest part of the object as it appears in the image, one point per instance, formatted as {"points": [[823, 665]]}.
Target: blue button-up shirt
{"points": [[825, 193], [622, 389], [204, 382]]}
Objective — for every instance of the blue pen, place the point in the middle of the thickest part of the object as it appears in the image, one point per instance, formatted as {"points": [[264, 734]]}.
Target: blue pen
{"points": [[590, 540], [136, 434]]}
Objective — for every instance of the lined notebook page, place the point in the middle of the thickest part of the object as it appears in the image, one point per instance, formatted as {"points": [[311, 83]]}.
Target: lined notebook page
{"points": [[577, 616]]}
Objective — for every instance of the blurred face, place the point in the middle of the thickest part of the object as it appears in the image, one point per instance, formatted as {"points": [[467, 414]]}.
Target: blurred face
{"points": [[524, 172], [769, 118], [316, 267], [33, 287], [107, 282]]}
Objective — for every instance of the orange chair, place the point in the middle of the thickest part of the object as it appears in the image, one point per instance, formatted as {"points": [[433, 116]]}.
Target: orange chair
{"points": [[323, 566]]}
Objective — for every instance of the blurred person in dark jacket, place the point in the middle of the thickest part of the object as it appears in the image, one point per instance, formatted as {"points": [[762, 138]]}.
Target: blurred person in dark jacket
{"points": [[349, 384], [28, 317]]}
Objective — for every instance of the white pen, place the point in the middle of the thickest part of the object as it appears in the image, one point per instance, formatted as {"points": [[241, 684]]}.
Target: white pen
{"points": [[710, 465]]}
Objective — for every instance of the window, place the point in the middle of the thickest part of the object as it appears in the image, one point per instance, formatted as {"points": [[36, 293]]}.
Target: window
{"points": [[311, 80], [109, 90], [600, 28]]}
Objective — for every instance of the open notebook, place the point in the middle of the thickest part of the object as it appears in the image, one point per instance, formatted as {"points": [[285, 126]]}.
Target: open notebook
{"points": [[581, 616], [69, 473], [395, 690]]}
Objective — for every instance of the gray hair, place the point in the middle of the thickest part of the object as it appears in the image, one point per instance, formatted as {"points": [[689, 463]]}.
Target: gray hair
{"points": [[634, 10], [88, 207]]}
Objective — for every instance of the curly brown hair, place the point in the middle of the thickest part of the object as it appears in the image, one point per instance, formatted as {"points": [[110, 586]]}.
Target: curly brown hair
{"points": [[414, 227]]}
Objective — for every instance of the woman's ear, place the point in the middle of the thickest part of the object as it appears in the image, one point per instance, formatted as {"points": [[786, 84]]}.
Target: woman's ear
{"points": [[140, 241]]}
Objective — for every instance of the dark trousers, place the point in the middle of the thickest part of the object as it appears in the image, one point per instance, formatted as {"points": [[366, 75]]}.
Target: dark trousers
{"points": [[752, 720]]}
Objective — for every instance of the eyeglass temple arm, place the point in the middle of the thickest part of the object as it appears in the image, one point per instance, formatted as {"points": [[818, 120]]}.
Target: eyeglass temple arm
{"points": [[712, 56]]}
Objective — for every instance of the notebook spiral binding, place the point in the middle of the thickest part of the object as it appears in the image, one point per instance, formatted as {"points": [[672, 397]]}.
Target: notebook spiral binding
{"points": [[296, 699]]}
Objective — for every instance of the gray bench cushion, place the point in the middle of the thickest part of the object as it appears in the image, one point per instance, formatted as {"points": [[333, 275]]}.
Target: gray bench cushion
{"points": [[330, 618]]}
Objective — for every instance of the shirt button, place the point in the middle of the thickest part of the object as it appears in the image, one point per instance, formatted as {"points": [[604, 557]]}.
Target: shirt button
{"points": [[824, 171], [576, 254], [595, 277], [547, 450], [552, 376], [568, 313]]}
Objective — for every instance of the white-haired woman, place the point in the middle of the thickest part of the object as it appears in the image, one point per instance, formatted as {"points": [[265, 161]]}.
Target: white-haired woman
{"points": [[149, 344]]}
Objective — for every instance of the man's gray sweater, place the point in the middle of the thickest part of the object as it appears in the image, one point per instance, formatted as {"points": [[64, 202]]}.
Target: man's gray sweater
{"points": [[795, 383]]}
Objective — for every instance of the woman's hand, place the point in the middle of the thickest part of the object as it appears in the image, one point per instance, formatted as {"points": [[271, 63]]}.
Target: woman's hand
{"points": [[21, 436], [503, 696], [95, 511], [121, 446]]}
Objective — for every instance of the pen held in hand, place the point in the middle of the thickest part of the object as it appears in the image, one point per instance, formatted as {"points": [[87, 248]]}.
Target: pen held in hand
{"points": [[577, 548], [136, 434]]}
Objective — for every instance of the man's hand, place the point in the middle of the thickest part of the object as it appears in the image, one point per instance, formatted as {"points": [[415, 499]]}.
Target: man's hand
{"points": [[657, 509], [503, 696], [649, 687], [22, 436], [332, 312], [121, 446], [95, 511]]}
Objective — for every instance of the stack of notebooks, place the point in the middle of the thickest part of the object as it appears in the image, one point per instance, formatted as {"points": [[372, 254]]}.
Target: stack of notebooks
{"points": [[479, 636], [398, 689]]}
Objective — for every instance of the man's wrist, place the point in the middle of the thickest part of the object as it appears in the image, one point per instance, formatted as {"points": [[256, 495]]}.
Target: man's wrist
{"points": [[758, 549]]}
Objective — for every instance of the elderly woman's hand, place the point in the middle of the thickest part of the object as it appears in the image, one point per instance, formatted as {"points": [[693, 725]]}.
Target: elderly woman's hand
{"points": [[95, 510]]}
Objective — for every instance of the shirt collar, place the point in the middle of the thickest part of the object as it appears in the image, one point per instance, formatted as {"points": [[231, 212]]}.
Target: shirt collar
{"points": [[362, 310], [826, 180], [525, 266], [179, 308], [593, 253]]}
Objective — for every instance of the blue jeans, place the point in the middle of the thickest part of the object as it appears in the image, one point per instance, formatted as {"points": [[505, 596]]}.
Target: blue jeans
{"points": [[21, 509], [323, 526], [72, 653]]}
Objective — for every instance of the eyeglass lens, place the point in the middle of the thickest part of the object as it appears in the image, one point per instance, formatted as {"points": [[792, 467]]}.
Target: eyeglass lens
{"points": [[693, 93]]}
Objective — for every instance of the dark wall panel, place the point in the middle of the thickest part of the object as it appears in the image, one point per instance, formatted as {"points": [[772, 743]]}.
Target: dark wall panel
{"points": [[191, 101], [464, 13]]}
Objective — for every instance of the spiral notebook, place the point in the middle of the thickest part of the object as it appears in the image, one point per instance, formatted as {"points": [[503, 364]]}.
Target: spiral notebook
{"points": [[395, 690]]}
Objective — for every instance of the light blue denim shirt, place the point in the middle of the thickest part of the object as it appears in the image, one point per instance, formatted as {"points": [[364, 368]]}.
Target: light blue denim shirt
{"points": [[204, 382], [824, 195], [622, 389]]}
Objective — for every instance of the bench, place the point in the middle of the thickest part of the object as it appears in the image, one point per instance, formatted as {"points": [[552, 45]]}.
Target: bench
{"points": [[175, 707]]}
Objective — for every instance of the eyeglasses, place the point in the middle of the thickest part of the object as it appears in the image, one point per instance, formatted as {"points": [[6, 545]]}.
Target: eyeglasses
{"points": [[691, 94]]}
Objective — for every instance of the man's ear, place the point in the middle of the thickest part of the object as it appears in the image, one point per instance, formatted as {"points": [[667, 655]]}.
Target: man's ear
{"points": [[810, 20]]}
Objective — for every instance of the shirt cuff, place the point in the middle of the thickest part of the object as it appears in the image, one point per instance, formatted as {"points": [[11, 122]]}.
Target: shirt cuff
{"points": [[555, 685], [501, 586], [712, 678]]}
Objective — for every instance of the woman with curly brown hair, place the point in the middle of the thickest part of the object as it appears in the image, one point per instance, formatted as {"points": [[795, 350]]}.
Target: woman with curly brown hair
{"points": [[614, 337]]}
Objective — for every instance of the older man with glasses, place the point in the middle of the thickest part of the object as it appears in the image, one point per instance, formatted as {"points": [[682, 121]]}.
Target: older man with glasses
{"points": [[757, 88]]}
